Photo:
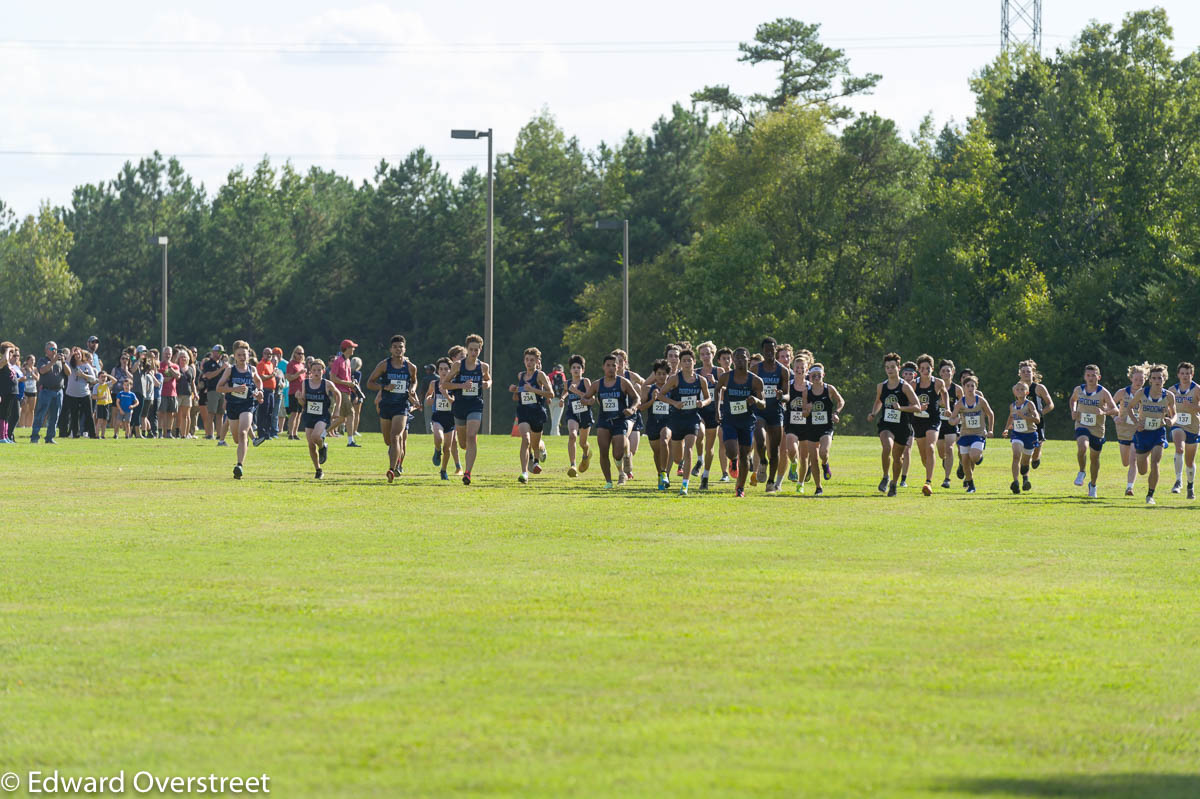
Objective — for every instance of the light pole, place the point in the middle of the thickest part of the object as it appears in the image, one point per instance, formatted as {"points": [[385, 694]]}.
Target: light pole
{"points": [[621, 224], [162, 240], [459, 133]]}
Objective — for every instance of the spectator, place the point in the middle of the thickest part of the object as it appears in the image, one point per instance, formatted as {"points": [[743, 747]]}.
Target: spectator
{"points": [[357, 395], [297, 371], [558, 383], [143, 390], [280, 392], [51, 373], [93, 347], [9, 392], [340, 373], [78, 405], [29, 387], [185, 390], [266, 372], [211, 371], [169, 404]]}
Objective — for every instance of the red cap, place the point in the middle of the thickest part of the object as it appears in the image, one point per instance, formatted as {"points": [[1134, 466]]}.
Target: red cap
{"points": [[347, 343]]}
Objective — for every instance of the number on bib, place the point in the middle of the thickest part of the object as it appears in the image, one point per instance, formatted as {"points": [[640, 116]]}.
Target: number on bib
{"points": [[471, 390], [820, 417], [974, 421], [442, 403], [660, 408], [770, 392], [891, 415], [689, 403], [944, 414], [1183, 419], [315, 407], [797, 417], [1087, 419], [737, 406], [398, 387], [1152, 422], [241, 392], [528, 398], [609, 404], [1020, 425], [921, 414], [577, 407]]}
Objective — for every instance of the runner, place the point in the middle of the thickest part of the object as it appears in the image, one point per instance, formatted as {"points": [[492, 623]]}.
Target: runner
{"points": [[242, 387], [687, 393], [616, 397], [531, 393], [1028, 374], [1090, 403], [775, 393], [947, 433], [788, 456], [1022, 425], [442, 421], [710, 417], [1126, 422], [578, 415], [653, 400], [725, 364], [823, 407], [634, 424], [800, 367], [908, 373], [975, 415], [894, 398], [1155, 409], [741, 393], [395, 379], [927, 422], [795, 427], [1186, 430], [467, 380], [317, 397]]}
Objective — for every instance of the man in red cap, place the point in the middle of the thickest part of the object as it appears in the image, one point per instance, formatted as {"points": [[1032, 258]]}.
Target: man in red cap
{"points": [[341, 373]]}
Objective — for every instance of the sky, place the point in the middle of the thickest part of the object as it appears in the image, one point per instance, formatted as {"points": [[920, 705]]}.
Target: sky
{"points": [[85, 87]]}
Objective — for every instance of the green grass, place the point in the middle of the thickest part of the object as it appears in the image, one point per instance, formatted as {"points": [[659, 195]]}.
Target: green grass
{"points": [[351, 638]]}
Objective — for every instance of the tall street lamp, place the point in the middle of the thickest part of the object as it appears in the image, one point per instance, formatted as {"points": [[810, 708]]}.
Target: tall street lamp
{"points": [[459, 133], [162, 240], [621, 224]]}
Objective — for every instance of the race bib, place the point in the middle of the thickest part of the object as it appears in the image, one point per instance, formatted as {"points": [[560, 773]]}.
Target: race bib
{"points": [[1020, 425], [797, 417], [921, 414], [944, 414], [737, 406], [1183, 419], [820, 417], [1152, 423], [891, 415], [974, 421], [316, 407], [770, 392], [398, 387], [689, 403], [241, 392], [577, 407], [442, 403], [609, 404], [471, 389], [660, 408], [1087, 419], [528, 398]]}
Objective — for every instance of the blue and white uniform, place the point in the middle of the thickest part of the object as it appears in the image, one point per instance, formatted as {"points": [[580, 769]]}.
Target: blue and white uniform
{"points": [[737, 417], [972, 425], [396, 382], [574, 407], [242, 399], [467, 403], [317, 402], [1024, 430], [1187, 412], [612, 401], [774, 385], [1154, 432], [660, 412], [685, 421], [531, 407]]}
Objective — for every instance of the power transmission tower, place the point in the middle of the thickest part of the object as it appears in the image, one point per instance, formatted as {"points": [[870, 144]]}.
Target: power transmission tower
{"points": [[1021, 23]]}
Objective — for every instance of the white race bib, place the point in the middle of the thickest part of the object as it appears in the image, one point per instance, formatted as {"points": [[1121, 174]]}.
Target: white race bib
{"points": [[921, 414], [241, 392], [891, 415], [1183, 419], [398, 387], [769, 392], [442, 403], [1152, 422], [943, 414], [820, 417], [660, 408], [1020, 426], [1087, 419], [689, 403], [315, 407], [577, 407], [737, 406], [609, 404], [974, 421], [797, 417], [528, 398], [471, 389]]}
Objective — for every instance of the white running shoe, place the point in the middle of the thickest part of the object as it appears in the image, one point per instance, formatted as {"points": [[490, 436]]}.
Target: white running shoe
{"points": [[1079, 478]]}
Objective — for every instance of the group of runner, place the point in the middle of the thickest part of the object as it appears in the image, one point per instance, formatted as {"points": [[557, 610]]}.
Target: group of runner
{"points": [[773, 411]]}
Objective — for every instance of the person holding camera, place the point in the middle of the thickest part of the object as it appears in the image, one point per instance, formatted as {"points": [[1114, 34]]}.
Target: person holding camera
{"points": [[78, 403]]}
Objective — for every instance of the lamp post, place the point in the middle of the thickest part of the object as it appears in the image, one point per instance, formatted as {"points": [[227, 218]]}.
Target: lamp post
{"points": [[162, 240], [621, 224], [459, 133]]}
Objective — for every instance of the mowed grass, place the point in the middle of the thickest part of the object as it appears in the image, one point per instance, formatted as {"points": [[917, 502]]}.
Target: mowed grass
{"points": [[351, 638]]}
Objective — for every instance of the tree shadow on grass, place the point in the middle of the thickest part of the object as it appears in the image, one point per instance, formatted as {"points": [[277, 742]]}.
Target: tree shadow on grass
{"points": [[1083, 786]]}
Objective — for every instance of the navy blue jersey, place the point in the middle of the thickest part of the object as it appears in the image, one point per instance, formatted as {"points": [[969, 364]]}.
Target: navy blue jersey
{"points": [[396, 381], [689, 394], [468, 400], [774, 382], [525, 389], [242, 398], [737, 406], [612, 400], [317, 400]]}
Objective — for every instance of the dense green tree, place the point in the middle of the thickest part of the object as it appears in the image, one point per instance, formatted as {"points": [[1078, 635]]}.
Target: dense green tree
{"points": [[40, 291]]}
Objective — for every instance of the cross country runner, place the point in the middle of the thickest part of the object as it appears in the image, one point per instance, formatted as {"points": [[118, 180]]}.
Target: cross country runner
{"points": [[578, 415], [531, 392], [710, 416], [467, 381], [1126, 422], [775, 393], [823, 406], [1021, 427], [975, 415], [635, 424], [1027, 373], [740, 391], [616, 397], [894, 398], [242, 387], [1155, 409], [317, 397], [947, 433], [926, 423], [1090, 405], [657, 432], [1185, 433], [687, 394], [395, 379], [442, 421]]}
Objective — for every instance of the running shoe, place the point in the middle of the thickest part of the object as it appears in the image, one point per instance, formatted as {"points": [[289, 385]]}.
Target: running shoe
{"points": [[572, 471], [725, 478], [703, 483], [391, 475], [237, 472], [466, 478], [258, 441], [679, 471], [222, 443], [536, 468], [971, 487], [733, 473], [1175, 489], [437, 457], [1091, 490], [1079, 478], [799, 487], [1015, 487], [458, 470], [542, 453], [1129, 492], [959, 472], [608, 485], [1150, 500], [587, 459], [1026, 485], [319, 474], [322, 454], [761, 473], [946, 483], [772, 488], [741, 492], [1191, 491], [883, 484], [1036, 462], [662, 482], [820, 492], [352, 443], [523, 477], [683, 491], [754, 478], [793, 473], [904, 481], [628, 474], [891, 489], [443, 475], [927, 489], [621, 480], [825, 470], [696, 469]]}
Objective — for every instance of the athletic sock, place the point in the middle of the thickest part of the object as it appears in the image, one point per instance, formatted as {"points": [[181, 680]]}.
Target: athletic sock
{"points": [[704, 474], [1191, 472], [1129, 486], [1178, 466], [685, 482]]}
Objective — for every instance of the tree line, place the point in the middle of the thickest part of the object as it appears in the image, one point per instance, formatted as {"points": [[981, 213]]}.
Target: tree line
{"points": [[1058, 222]]}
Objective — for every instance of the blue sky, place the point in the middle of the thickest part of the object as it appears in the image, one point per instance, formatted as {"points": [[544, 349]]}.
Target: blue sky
{"points": [[445, 64]]}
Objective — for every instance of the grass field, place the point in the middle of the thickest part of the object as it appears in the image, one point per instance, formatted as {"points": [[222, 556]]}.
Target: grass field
{"points": [[352, 639]]}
